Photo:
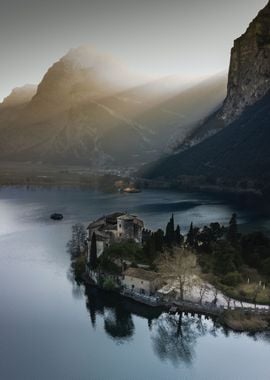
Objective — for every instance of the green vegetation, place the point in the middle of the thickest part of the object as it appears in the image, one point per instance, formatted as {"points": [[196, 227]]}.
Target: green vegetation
{"points": [[78, 268], [236, 264], [93, 252], [109, 284]]}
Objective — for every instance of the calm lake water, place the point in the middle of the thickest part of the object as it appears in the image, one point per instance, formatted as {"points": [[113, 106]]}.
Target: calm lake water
{"points": [[52, 329]]}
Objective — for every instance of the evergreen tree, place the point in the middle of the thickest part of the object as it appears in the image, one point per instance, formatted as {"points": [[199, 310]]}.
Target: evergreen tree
{"points": [[93, 252], [190, 236], [232, 233], [149, 249], [170, 232], [159, 240], [225, 257], [172, 222], [177, 236]]}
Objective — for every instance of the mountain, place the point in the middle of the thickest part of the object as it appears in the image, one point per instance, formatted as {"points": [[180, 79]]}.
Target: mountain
{"points": [[184, 113], [13, 104], [19, 96], [249, 74], [240, 150], [248, 80], [91, 110]]}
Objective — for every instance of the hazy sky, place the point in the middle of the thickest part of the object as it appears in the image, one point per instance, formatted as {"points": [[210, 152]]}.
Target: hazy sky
{"points": [[155, 36]]}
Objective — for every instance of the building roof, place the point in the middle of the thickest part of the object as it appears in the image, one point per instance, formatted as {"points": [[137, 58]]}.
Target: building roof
{"points": [[141, 274], [105, 220], [96, 223], [127, 217], [109, 222], [132, 218]]}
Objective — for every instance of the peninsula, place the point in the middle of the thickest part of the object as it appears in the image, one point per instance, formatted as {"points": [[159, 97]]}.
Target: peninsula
{"points": [[213, 270]]}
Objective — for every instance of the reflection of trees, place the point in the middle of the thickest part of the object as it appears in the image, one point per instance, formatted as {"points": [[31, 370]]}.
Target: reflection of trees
{"points": [[118, 324], [94, 304], [174, 337], [118, 321], [117, 313]]}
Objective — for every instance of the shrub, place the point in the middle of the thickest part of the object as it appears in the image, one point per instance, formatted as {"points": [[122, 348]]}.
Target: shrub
{"points": [[232, 279], [109, 284], [78, 267]]}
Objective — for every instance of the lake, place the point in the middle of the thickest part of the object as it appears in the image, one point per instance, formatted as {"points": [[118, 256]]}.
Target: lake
{"points": [[52, 329]]}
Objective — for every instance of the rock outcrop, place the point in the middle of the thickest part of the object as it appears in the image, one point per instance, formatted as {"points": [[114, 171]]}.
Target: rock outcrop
{"points": [[238, 153], [249, 73], [248, 79]]}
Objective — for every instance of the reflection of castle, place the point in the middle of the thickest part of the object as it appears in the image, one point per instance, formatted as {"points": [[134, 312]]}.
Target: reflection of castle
{"points": [[115, 227]]}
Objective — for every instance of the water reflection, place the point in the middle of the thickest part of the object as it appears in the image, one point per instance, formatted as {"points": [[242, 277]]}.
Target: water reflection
{"points": [[117, 313], [174, 337]]}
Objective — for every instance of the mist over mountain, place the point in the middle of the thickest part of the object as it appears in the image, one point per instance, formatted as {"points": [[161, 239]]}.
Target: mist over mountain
{"points": [[89, 109], [19, 96], [240, 150]]}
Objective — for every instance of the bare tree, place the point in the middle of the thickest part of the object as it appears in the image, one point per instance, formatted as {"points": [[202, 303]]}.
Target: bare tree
{"points": [[215, 295], [77, 241], [228, 300], [204, 289], [256, 293], [179, 266]]}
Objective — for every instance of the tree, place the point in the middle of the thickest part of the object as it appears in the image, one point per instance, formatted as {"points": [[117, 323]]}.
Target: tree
{"points": [[255, 249], [179, 266], [177, 236], [226, 258], [204, 289], [169, 236], [78, 268], [232, 233], [217, 231], [149, 249], [256, 292], [93, 252], [228, 300], [77, 241], [205, 238], [190, 236], [159, 240]]}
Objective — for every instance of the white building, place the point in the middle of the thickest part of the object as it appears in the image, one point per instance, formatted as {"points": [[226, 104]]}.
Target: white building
{"points": [[141, 281]]}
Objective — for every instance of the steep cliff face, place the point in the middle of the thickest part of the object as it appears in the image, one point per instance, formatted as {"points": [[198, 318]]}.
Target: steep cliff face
{"points": [[248, 79], [239, 149], [249, 73]]}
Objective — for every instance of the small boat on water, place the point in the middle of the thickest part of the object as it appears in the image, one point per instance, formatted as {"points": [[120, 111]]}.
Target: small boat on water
{"points": [[131, 190], [56, 216]]}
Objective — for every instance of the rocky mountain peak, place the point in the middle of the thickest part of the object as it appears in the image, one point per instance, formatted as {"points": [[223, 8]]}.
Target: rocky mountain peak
{"points": [[19, 96], [249, 73]]}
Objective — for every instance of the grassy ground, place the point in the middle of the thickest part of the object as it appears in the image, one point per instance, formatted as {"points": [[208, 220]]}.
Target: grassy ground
{"points": [[246, 293], [240, 321]]}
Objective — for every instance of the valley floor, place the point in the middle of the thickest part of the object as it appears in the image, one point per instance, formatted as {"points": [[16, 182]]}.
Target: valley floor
{"points": [[28, 174]]}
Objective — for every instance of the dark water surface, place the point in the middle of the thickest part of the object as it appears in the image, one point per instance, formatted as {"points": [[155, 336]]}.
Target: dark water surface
{"points": [[51, 329]]}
